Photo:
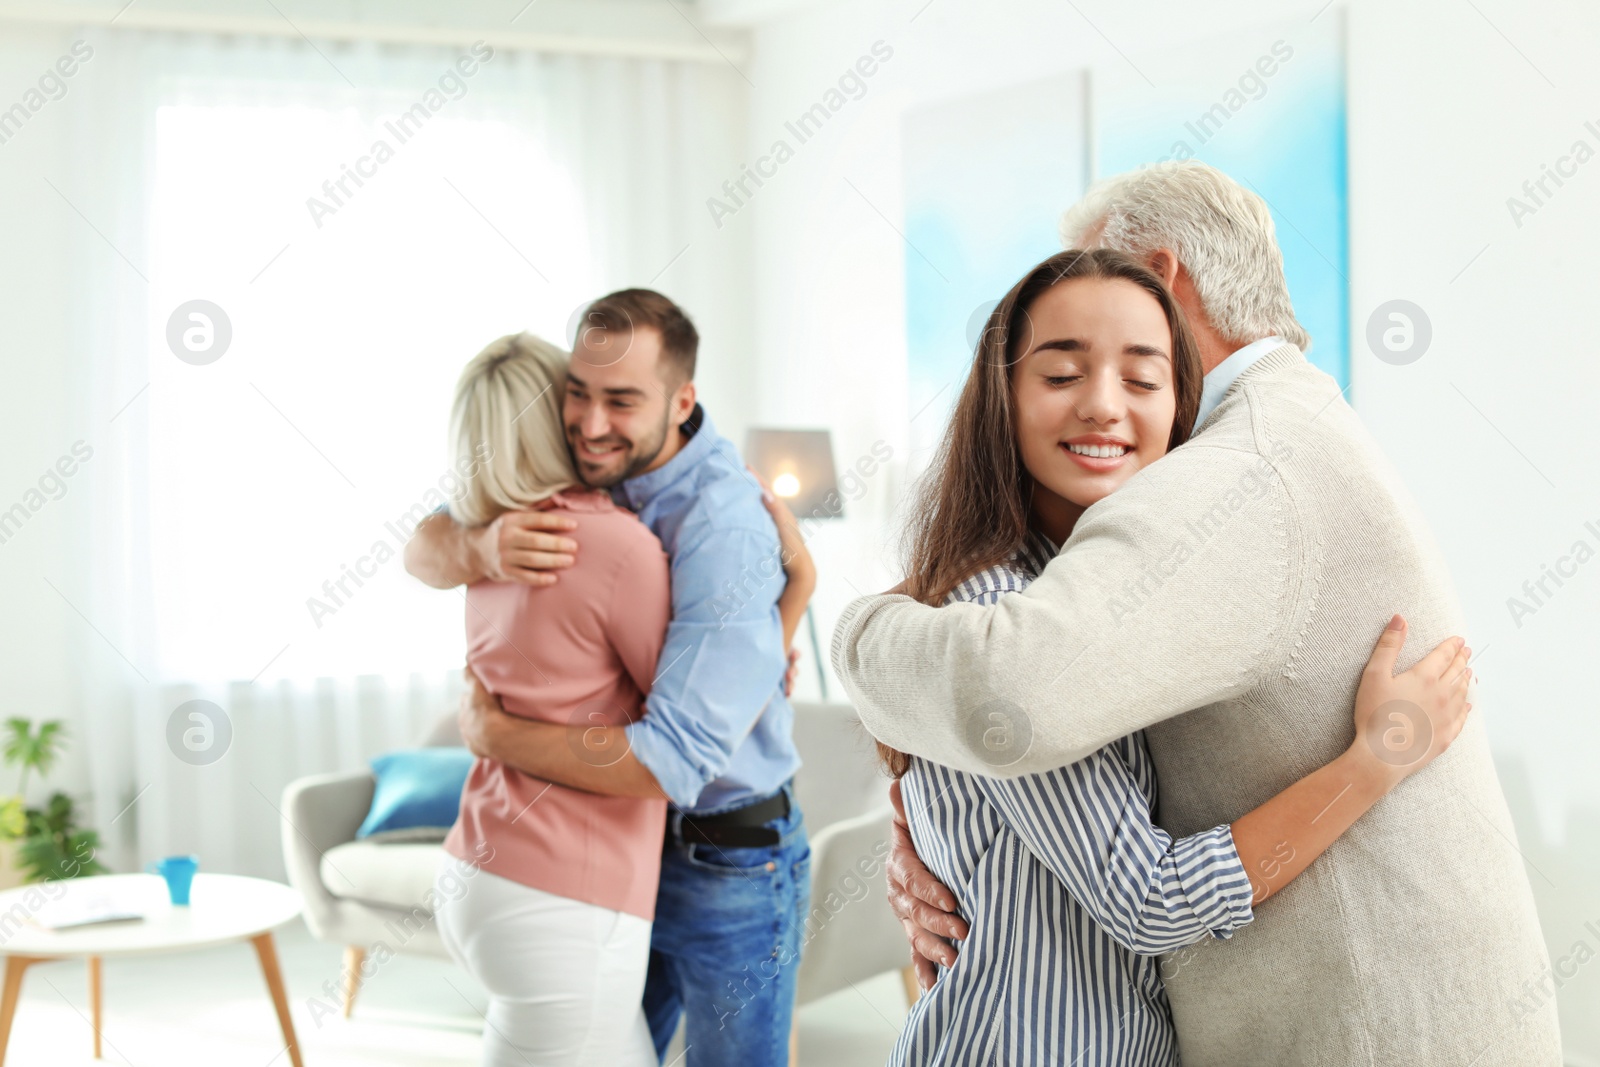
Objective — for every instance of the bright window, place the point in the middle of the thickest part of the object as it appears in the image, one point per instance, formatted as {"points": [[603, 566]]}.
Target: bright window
{"points": [[292, 456]]}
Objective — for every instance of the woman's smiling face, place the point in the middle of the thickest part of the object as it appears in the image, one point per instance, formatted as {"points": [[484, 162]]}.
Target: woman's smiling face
{"points": [[1093, 387]]}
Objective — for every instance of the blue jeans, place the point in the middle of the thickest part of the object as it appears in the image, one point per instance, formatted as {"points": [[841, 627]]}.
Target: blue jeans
{"points": [[726, 946]]}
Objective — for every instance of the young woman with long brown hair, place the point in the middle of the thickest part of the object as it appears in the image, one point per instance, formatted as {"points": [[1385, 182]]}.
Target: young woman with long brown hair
{"points": [[1085, 374]]}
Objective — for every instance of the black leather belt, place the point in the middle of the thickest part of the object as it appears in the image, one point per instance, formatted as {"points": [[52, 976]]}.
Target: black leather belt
{"points": [[740, 828]]}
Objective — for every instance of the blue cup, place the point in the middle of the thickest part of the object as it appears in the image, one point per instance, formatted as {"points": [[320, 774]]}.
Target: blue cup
{"points": [[179, 873]]}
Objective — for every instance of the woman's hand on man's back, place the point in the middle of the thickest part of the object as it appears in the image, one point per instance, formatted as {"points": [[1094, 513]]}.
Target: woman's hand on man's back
{"points": [[1405, 720]]}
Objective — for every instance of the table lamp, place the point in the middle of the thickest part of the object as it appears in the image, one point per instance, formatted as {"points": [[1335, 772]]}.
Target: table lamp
{"points": [[798, 465]]}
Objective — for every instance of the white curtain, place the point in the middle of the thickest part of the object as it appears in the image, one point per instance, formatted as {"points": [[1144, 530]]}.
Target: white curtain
{"points": [[248, 512]]}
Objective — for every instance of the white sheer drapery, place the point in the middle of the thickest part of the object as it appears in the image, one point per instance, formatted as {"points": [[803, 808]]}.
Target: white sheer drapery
{"points": [[231, 499]]}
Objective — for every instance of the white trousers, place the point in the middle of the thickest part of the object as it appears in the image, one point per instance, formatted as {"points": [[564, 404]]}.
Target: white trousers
{"points": [[565, 979]]}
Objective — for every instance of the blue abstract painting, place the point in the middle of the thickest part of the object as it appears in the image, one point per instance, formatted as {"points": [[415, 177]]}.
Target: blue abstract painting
{"points": [[988, 176], [1267, 108]]}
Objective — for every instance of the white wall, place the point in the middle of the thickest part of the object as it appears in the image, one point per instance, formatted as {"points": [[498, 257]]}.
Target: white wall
{"points": [[1450, 112], [38, 419]]}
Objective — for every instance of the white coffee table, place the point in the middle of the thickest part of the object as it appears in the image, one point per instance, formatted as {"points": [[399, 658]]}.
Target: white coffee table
{"points": [[223, 908]]}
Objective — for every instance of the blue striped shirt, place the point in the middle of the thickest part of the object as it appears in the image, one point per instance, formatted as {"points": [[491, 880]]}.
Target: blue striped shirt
{"points": [[1070, 891]]}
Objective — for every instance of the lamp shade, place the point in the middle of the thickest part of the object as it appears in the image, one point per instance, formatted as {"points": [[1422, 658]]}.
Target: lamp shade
{"points": [[798, 465]]}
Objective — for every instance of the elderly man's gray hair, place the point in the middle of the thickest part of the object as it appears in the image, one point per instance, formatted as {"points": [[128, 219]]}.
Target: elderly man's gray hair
{"points": [[1222, 234]]}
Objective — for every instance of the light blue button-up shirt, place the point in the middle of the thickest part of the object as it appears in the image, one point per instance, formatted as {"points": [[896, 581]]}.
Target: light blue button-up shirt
{"points": [[717, 730], [1224, 374]]}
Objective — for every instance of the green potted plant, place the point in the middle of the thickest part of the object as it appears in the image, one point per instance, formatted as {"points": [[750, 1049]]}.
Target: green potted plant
{"points": [[40, 844]]}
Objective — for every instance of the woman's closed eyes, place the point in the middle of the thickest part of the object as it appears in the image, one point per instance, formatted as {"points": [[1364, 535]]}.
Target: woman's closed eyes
{"points": [[1057, 381]]}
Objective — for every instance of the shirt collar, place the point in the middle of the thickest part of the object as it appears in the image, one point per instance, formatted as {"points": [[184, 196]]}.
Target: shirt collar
{"points": [[1224, 374], [639, 490], [1036, 552]]}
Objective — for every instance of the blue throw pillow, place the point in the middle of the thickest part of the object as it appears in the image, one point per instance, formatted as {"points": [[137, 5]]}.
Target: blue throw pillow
{"points": [[417, 787]]}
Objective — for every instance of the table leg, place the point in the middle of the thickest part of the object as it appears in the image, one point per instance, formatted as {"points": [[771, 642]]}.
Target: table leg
{"points": [[908, 978], [280, 996], [94, 1001], [354, 955], [15, 965]]}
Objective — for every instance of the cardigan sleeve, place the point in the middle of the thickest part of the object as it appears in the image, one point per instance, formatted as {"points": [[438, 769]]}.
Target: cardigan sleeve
{"points": [[1171, 593]]}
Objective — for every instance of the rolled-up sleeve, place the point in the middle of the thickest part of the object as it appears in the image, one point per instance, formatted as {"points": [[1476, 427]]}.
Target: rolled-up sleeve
{"points": [[1147, 613], [722, 662], [1090, 824]]}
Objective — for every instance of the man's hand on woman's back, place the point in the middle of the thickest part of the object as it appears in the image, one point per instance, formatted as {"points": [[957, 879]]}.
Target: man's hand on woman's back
{"points": [[524, 546], [925, 907], [519, 546]]}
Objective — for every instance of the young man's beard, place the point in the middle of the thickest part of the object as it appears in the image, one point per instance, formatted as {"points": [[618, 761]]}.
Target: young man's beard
{"points": [[639, 457]]}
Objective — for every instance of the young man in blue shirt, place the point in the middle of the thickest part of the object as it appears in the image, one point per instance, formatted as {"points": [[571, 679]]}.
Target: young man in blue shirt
{"points": [[716, 736]]}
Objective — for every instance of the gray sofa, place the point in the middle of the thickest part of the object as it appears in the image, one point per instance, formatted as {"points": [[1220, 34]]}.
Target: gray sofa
{"points": [[358, 894]]}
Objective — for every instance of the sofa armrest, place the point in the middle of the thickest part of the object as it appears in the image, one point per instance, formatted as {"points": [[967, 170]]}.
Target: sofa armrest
{"points": [[851, 933], [319, 812]]}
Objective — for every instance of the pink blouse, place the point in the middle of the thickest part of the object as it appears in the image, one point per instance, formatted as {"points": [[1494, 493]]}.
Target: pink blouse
{"points": [[582, 652]]}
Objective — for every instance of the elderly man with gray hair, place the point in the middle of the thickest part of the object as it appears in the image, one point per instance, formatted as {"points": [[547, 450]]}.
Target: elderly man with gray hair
{"points": [[1233, 627]]}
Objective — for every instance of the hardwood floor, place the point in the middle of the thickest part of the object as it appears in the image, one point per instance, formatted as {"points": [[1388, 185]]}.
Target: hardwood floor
{"points": [[212, 1007]]}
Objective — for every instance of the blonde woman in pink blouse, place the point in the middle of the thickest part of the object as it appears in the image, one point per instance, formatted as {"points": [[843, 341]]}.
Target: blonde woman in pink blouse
{"points": [[556, 919]]}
